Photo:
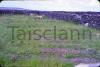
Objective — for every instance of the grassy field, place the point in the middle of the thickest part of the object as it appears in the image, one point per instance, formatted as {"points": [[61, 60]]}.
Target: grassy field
{"points": [[35, 50]]}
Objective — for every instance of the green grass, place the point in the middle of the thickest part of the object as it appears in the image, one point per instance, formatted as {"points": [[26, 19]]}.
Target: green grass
{"points": [[37, 63], [72, 55], [28, 50]]}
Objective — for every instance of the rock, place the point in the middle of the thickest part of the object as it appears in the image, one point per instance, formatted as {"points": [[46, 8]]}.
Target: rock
{"points": [[88, 65], [38, 17], [86, 24], [98, 35]]}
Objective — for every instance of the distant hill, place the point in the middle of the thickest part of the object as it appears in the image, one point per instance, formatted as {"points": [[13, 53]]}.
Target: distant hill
{"points": [[12, 8]]}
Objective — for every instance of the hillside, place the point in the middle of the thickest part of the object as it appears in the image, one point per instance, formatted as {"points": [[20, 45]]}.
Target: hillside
{"points": [[31, 46]]}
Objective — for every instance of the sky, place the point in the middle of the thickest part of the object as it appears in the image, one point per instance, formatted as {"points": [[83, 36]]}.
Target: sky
{"points": [[55, 5]]}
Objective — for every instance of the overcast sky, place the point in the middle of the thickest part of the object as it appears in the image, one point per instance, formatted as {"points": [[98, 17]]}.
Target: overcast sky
{"points": [[55, 5]]}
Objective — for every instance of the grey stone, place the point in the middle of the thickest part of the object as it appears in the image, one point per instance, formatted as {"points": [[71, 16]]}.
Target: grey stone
{"points": [[88, 65]]}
